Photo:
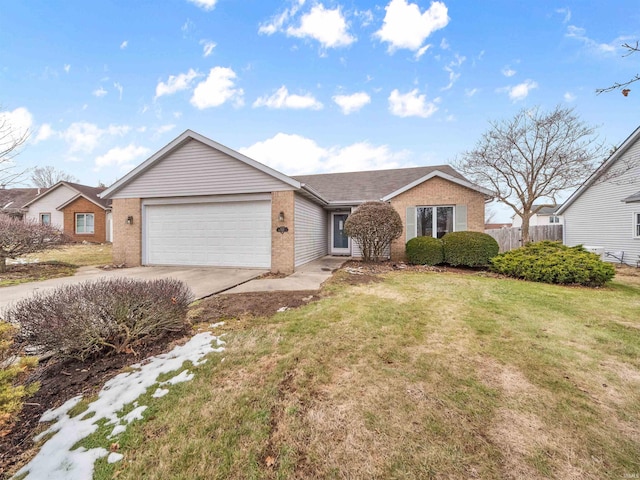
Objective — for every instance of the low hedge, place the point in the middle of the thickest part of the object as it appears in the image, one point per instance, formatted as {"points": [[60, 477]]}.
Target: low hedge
{"points": [[552, 262], [424, 251], [469, 249], [108, 315]]}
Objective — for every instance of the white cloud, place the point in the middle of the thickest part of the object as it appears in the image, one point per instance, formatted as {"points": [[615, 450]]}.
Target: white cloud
{"points": [[44, 133], [507, 71], [124, 44], [444, 45], [405, 26], [165, 128], [365, 16], [566, 12], [283, 99], [277, 23], [120, 89], [580, 34], [569, 97], [176, 83], [411, 104], [470, 92], [205, 4], [15, 125], [124, 158], [100, 92], [520, 91], [217, 89], [84, 137], [67, 67], [451, 69], [207, 47], [328, 27], [284, 151], [352, 103]]}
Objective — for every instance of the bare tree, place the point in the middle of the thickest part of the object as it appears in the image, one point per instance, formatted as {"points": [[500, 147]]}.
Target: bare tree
{"points": [[631, 49], [20, 237], [45, 177], [11, 138], [373, 226], [535, 155]]}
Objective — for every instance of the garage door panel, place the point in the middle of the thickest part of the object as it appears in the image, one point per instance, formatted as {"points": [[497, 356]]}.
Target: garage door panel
{"points": [[218, 234]]}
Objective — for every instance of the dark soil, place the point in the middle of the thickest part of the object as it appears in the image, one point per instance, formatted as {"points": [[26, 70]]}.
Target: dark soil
{"points": [[31, 272]]}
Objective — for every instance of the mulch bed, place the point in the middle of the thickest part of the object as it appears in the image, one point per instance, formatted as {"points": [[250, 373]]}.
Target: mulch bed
{"points": [[37, 271]]}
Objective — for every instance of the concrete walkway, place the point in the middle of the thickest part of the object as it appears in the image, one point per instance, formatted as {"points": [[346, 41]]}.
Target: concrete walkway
{"points": [[307, 277], [203, 281]]}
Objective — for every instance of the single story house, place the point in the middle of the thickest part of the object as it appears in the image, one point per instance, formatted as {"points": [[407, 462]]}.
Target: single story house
{"points": [[197, 202], [604, 212], [75, 209], [12, 200], [546, 215]]}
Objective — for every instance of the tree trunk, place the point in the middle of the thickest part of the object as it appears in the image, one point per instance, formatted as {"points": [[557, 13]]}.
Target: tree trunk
{"points": [[525, 228], [3, 264]]}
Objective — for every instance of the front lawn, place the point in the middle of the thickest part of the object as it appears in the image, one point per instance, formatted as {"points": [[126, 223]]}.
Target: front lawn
{"points": [[420, 375], [55, 263]]}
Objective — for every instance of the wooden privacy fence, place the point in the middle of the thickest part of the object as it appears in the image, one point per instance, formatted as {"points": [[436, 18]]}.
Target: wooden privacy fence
{"points": [[510, 238]]}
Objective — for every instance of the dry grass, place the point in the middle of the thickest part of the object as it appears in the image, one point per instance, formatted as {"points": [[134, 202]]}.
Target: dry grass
{"points": [[78, 254], [422, 376]]}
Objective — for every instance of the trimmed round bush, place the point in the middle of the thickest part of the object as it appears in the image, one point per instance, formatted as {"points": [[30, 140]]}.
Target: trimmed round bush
{"points": [[552, 262], [469, 249], [424, 251], [108, 315]]}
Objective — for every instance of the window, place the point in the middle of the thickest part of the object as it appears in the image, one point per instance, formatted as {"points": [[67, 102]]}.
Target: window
{"points": [[434, 221], [636, 224], [45, 218], [554, 219], [84, 222]]}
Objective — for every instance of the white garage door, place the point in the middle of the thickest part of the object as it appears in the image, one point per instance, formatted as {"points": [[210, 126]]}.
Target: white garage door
{"points": [[230, 234]]}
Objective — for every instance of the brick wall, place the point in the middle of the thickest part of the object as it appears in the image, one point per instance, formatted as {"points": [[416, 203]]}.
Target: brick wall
{"points": [[283, 244], [82, 205], [127, 239], [434, 192]]}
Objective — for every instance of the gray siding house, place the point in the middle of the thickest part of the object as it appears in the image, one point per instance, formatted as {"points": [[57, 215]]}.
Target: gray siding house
{"points": [[605, 211]]}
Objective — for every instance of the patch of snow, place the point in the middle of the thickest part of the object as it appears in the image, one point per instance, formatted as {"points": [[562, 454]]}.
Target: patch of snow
{"points": [[114, 457], [56, 459], [160, 392], [117, 430], [183, 376], [215, 325], [283, 309]]}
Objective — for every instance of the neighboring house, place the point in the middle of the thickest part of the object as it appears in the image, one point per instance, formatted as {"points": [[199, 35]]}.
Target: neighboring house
{"points": [[196, 202], [604, 213], [13, 199], [75, 209], [544, 216]]}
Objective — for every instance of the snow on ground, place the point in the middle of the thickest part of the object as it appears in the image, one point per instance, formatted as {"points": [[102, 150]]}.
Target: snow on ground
{"points": [[56, 459]]}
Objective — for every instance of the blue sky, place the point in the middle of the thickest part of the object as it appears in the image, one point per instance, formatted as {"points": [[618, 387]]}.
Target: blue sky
{"points": [[303, 86]]}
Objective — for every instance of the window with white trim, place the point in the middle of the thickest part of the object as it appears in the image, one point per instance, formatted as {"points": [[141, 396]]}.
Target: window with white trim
{"points": [[554, 219], [434, 221], [84, 223], [45, 218], [636, 224]]}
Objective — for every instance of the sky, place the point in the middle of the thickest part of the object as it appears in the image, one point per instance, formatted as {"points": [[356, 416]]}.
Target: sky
{"points": [[303, 86]]}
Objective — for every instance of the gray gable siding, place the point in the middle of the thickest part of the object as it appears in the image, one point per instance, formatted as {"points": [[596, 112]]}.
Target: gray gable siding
{"points": [[310, 231], [598, 217], [197, 169]]}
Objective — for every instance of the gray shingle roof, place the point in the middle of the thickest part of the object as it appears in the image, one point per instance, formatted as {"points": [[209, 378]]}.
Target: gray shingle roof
{"points": [[547, 210], [12, 199], [92, 193], [371, 185]]}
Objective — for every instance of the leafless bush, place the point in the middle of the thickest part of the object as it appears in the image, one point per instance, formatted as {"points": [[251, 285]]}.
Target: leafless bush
{"points": [[374, 225], [20, 237], [108, 315]]}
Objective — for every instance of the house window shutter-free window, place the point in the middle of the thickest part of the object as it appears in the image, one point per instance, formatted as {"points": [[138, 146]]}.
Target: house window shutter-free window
{"points": [[84, 223], [45, 218], [636, 224], [461, 218], [411, 223]]}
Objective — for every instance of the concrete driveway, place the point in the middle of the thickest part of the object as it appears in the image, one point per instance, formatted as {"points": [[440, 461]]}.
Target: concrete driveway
{"points": [[204, 281]]}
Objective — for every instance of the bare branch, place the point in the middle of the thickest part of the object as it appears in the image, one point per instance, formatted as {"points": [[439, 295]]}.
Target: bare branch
{"points": [[631, 49]]}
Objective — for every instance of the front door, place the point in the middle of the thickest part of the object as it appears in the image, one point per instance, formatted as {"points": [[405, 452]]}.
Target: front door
{"points": [[340, 242]]}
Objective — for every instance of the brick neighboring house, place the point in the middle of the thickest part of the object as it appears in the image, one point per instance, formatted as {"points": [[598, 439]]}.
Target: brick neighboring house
{"points": [[74, 208], [197, 202]]}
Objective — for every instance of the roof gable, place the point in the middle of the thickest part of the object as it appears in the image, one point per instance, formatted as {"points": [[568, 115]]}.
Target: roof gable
{"points": [[196, 161], [602, 169], [76, 190]]}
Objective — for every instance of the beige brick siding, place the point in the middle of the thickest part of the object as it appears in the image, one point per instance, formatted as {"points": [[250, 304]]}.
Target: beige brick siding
{"points": [[127, 239], [283, 244], [433, 192]]}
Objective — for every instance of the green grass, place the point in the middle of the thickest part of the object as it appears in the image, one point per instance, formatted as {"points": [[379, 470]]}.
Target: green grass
{"points": [[421, 376]]}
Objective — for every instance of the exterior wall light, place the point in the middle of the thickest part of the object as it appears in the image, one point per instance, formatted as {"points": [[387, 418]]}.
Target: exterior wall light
{"points": [[281, 217], [130, 220]]}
